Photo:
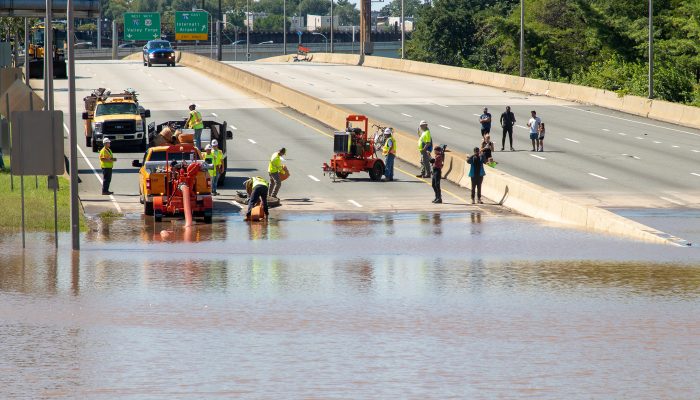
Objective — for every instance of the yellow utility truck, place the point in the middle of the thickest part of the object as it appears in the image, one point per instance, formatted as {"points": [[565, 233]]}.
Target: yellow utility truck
{"points": [[118, 117], [36, 51]]}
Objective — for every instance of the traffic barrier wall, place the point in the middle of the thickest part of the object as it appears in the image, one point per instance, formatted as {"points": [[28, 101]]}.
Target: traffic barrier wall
{"points": [[669, 112], [636, 105], [517, 194]]}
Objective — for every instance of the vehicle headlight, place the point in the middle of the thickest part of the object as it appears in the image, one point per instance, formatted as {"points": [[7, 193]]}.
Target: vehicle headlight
{"points": [[97, 127], [152, 55], [172, 55], [139, 127]]}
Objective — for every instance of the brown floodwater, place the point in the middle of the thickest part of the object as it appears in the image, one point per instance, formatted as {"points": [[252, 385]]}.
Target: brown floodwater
{"points": [[348, 306]]}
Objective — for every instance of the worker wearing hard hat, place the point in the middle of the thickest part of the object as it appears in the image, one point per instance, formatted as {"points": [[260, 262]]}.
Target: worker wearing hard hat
{"points": [[106, 163], [425, 146], [257, 189], [208, 157], [389, 151], [274, 168], [218, 157], [194, 121]]}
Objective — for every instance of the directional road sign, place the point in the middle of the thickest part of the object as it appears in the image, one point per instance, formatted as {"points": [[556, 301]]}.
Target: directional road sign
{"points": [[141, 26], [191, 25]]}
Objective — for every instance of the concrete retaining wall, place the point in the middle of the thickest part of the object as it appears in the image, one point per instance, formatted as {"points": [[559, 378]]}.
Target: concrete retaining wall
{"points": [[656, 109], [524, 197]]}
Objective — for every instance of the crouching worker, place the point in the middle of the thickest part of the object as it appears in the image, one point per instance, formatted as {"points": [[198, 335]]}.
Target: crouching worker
{"points": [[257, 189]]}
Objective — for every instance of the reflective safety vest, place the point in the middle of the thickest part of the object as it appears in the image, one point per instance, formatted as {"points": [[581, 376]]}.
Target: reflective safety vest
{"points": [[218, 157], [275, 166], [424, 140], [195, 120], [389, 149], [209, 159], [106, 153], [257, 181]]}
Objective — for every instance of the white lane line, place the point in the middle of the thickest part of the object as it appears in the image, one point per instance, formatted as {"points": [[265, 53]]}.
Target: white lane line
{"points": [[572, 140], [372, 104], [693, 173], [598, 176], [356, 204], [94, 171], [478, 115], [536, 156], [695, 151], [446, 127], [630, 120], [639, 137], [233, 127], [621, 133], [606, 130], [675, 147], [672, 201], [441, 105], [657, 142], [313, 178], [214, 114], [252, 141], [237, 204], [520, 126], [407, 115], [629, 155]]}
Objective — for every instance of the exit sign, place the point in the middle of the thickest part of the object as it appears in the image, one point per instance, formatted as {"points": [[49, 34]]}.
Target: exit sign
{"points": [[191, 25], [141, 26]]}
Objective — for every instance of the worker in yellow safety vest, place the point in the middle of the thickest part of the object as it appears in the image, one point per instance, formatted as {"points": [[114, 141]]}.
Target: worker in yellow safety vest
{"points": [[195, 122], [389, 151], [257, 188], [425, 146], [209, 158], [218, 156], [274, 168], [106, 163]]}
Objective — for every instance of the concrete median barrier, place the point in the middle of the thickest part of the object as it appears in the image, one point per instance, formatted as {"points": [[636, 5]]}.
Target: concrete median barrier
{"points": [[636, 105], [522, 196], [669, 112]]}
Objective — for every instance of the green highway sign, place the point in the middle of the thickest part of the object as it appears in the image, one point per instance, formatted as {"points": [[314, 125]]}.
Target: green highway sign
{"points": [[141, 26], [191, 25]]}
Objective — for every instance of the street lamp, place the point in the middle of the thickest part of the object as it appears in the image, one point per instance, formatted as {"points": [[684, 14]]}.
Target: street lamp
{"points": [[211, 25], [325, 39], [331, 26], [522, 37], [235, 39], [403, 29], [284, 27], [247, 30], [651, 49]]}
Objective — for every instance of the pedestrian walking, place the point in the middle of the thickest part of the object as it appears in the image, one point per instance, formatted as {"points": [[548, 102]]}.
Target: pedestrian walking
{"points": [[540, 137], [274, 168], [438, 160], [534, 125], [476, 174], [106, 163], [257, 188], [389, 151], [485, 120], [507, 123], [425, 146], [194, 121]]}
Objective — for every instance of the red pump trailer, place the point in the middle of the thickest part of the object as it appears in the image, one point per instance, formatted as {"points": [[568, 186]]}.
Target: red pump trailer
{"points": [[354, 151]]}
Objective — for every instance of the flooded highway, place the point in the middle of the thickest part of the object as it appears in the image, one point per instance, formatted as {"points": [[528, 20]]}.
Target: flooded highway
{"points": [[416, 305]]}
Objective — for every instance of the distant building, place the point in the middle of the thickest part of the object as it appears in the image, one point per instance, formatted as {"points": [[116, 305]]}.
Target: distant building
{"points": [[251, 17], [296, 24], [408, 23], [320, 22]]}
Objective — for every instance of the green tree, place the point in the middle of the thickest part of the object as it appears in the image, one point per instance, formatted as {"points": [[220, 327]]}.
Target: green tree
{"points": [[410, 8], [271, 23], [314, 7], [346, 12]]}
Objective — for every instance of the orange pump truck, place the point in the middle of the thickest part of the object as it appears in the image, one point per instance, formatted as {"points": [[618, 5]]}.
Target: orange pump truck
{"points": [[354, 152]]}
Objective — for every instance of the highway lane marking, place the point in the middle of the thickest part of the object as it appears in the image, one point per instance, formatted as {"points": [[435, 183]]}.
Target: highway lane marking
{"points": [[372, 104], [520, 126], [441, 105], [672, 201], [675, 147], [536, 156], [621, 133], [639, 137], [94, 171], [478, 115], [631, 120], [237, 204], [233, 127], [657, 142], [629, 155], [214, 114], [693, 173], [606, 130], [446, 127], [313, 178], [407, 115], [356, 204], [695, 151], [252, 141], [598, 176], [572, 140]]}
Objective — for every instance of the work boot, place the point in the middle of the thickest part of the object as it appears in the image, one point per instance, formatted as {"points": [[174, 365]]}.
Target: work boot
{"points": [[438, 201], [503, 148], [473, 201], [107, 193], [420, 176], [481, 202]]}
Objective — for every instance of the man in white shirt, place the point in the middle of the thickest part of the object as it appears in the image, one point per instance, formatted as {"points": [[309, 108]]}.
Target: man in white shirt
{"points": [[534, 125]]}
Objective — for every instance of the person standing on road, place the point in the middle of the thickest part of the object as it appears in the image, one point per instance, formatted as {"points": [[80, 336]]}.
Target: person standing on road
{"points": [[106, 163], [507, 123], [476, 174], [534, 125], [487, 149], [438, 162], [425, 146], [485, 120], [208, 158], [195, 122], [540, 137], [218, 157], [389, 151], [257, 189], [274, 169]]}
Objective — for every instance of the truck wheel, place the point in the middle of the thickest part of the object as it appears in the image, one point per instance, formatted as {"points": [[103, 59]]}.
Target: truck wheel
{"points": [[158, 218], [342, 175], [207, 219], [148, 208], [377, 171], [94, 146], [88, 141]]}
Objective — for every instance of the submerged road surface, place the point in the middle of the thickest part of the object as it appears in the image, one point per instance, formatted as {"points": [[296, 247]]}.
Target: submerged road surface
{"points": [[259, 129]]}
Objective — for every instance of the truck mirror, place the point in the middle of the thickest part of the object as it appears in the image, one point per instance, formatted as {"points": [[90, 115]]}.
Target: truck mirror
{"points": [[85, 115], [151, 127], [229, 135], [136, 163], [147, 113]]}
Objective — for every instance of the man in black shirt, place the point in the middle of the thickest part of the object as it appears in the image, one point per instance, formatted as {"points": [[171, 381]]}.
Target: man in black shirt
{"points": [[507, 122]]}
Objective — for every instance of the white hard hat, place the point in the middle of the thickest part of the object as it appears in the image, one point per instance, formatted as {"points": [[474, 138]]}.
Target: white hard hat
{"points": [[106, 140], [214, 142], [423, 122], [387, 131], [208, 147]]}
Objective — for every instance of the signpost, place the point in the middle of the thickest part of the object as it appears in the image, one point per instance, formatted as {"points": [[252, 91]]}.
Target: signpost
{"points": [[141, 26], [191, 25]]}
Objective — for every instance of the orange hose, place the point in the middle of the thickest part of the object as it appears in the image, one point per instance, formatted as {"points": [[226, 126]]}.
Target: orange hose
{"points": [[186, 202]]}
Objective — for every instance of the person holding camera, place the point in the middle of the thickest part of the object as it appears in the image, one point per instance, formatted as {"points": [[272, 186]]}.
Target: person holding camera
{"points": [[476, 173], [438, 161]]}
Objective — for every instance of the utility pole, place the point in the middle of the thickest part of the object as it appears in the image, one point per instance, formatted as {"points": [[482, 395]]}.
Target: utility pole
{"points": [[331, 26], [73, 140], [284, 27], [651, 49], [26, 50], [219, 28], [99, 28], [403, 30], [115, 39], [48, 56], [522, 37], [247, 32]]}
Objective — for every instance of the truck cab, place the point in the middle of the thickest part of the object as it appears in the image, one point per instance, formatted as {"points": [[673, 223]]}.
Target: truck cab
{"points": [[118, 117]]}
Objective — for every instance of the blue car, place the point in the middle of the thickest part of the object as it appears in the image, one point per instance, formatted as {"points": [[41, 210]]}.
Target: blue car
{"points": [[158, 52]]}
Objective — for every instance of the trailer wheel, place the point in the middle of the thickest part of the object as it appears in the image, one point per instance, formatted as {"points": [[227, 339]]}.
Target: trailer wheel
{"points": [[377, 171], [94, 146], [207, 219], [148, 208], [342, 175], [158, 218]]}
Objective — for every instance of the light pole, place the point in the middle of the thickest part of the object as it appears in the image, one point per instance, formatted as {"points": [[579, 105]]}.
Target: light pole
{"points": [[211, 26], [247, 30], [522, 37], [219, 28], [325, 39], [284, 27], [403, 29], [235, 39], [651, 49], [331, 26]]}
